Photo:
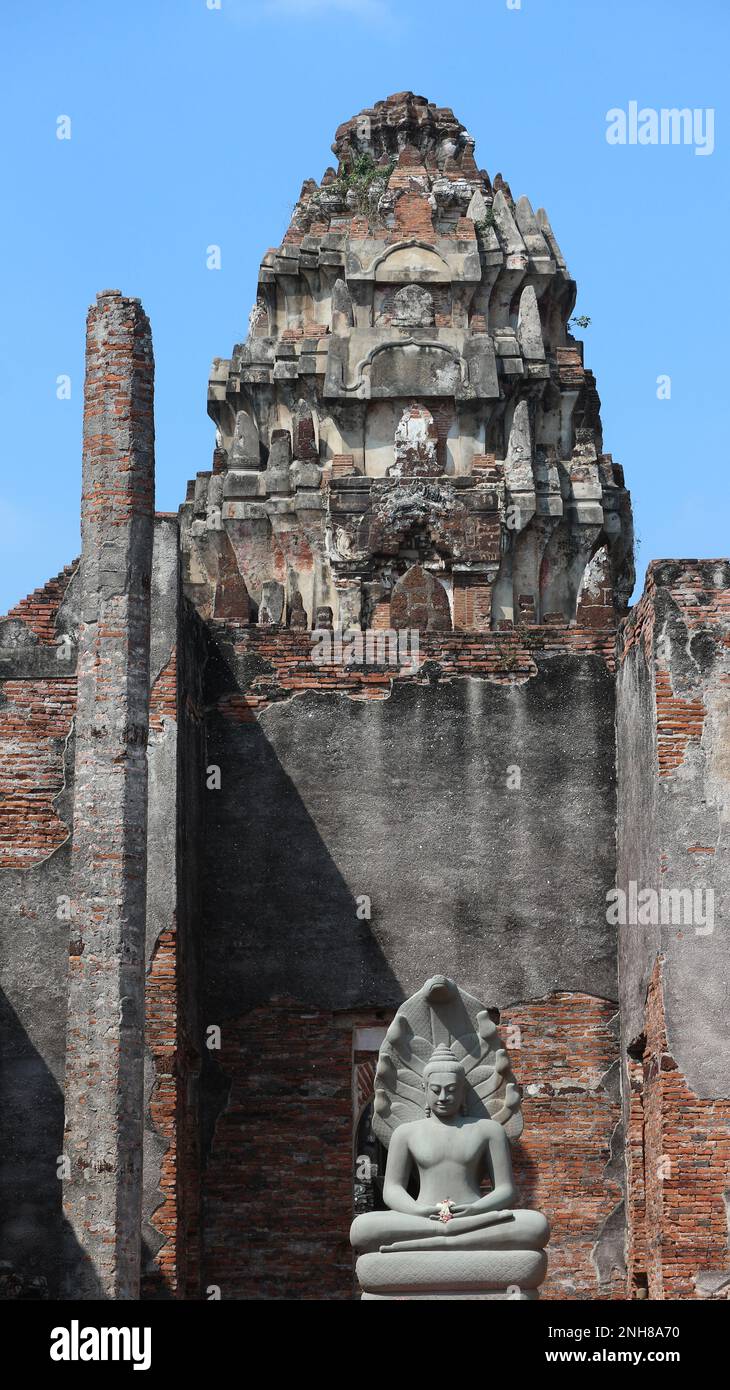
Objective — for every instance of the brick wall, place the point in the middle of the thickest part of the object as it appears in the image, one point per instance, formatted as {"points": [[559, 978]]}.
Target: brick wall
{"points": [[36, 717], [40, 609], [35, 722], [636, 1252], [36, 782], [278, 1184], [161, 1037], [161, 1040], [703, 607], [568, 1044]]}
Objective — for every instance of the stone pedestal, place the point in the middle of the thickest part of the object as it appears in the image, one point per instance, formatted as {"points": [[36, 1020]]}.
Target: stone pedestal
{"points": [[474, 1274]]}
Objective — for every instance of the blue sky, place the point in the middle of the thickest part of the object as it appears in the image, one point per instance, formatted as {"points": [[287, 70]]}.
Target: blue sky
{"points": [[194, 125]]}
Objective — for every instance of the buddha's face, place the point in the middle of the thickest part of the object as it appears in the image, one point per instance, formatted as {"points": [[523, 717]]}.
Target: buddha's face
{"points": [[444, 1093]]}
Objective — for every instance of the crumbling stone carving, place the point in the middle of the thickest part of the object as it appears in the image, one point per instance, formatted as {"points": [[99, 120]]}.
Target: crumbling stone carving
{"points": [[415, 444], [413, 307]]}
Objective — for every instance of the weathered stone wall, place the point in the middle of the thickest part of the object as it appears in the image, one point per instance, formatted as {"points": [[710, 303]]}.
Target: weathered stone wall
{"points": [[337, 783], [673, 702]]}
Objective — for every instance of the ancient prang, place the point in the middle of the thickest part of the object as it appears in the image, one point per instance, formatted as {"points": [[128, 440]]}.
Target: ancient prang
{"points": [[371, 707]]}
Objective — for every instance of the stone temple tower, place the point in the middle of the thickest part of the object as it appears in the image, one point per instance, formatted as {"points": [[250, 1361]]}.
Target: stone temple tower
{"points": [[202, 948], [409, 417]]}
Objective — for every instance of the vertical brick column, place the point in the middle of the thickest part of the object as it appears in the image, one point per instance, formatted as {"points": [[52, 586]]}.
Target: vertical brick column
{"points": [[105, 1034]]}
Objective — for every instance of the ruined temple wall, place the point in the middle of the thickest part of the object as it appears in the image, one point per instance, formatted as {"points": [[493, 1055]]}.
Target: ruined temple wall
{"points": [[673, 783], [339, 785], [37, 704]]}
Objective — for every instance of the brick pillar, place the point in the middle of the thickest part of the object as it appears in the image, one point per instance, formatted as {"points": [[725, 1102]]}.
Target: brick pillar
{"points": [[105, 1033]]}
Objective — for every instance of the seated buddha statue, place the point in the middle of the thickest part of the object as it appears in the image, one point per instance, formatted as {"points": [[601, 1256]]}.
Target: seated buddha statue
{"points": [[457, 1140], [452, 1153]]}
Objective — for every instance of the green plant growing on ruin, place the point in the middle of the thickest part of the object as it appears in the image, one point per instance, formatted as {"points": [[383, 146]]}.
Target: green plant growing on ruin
{"points": [[579, 321], [484, 223], [359, 179]]}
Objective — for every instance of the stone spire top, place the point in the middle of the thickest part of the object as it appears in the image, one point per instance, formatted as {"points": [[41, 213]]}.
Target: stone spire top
{"points": [[404, 145], [408, 122]]}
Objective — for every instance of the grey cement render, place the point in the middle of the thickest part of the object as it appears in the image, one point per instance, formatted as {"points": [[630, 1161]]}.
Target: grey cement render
{"points": [[162, 858], [33, 970], [405, 800], [636, 837]]}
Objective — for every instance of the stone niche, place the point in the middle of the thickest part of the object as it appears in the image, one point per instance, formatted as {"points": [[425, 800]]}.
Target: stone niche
{"points": [[406, 264], [420, 601], [420, 369], [416, 444]]}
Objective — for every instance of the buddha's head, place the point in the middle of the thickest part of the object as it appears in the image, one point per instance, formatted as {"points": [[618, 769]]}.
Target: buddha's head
{"points": [[444, 1081]]}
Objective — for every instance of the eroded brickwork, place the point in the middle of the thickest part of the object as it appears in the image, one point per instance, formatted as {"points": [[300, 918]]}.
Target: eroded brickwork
{"points": [[35, 723], [698, 614], [636, 1251], [39, 610], [281, 664], [686, 1174], [171, 1027], [37, 704], [279, 1176], [161, 1035], [567, 1048]]}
